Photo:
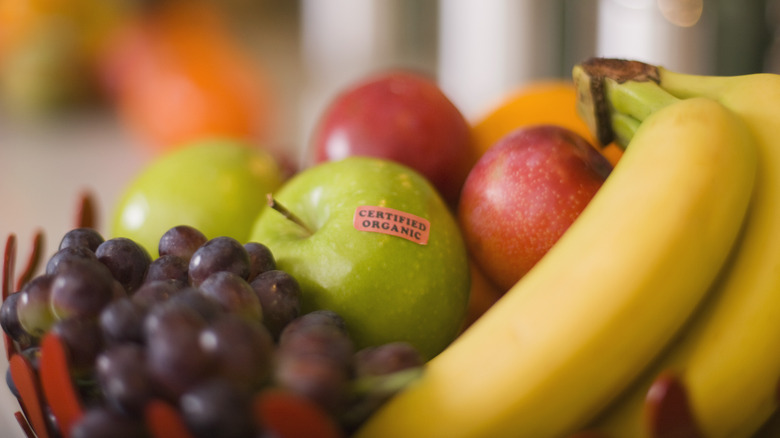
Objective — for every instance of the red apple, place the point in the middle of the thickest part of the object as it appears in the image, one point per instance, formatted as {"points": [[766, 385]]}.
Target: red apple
{"points": [[404, 117], [521, 196]]}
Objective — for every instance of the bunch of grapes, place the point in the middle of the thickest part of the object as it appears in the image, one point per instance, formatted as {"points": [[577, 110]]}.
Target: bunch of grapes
{"points": [[211, 327]]}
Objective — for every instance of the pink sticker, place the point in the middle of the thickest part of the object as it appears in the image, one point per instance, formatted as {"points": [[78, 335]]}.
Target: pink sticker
{"points": [[393, 222]]}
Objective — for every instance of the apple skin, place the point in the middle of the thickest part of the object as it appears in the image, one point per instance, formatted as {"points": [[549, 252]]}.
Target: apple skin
{"points": [[523, 194], [217, 186], [404, 117], [386, 288]]}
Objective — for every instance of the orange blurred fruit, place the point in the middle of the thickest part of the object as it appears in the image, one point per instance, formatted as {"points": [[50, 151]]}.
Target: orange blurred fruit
{"points": [[88, 21], [177, 75], [20, 19], [482, 296], [47, 52], [540, 102]]}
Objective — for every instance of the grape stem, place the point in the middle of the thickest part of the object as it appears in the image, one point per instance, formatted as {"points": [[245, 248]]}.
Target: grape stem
{"points": [[273, 203], [388, 383]]}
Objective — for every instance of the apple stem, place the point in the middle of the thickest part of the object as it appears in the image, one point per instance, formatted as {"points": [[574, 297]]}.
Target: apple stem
{"points": [[273, 203]]}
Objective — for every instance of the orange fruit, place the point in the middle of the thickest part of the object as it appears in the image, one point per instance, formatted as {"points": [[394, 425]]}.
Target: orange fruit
{"points": [[178, 76], [482, 296], [88, 20], [540, 102]]}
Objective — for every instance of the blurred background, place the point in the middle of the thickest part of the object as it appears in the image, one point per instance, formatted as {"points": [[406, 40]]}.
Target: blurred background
{"points": [[92, 90]]}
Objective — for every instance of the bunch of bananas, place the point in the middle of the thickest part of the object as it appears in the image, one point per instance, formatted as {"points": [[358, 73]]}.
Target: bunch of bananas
{"points": [[658, 313]]}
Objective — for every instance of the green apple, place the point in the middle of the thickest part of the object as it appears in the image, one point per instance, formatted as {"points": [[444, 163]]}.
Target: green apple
{"points": [[387, 287], [216, 186]]}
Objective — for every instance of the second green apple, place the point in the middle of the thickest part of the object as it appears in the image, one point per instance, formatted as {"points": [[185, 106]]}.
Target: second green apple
{"points": [[215, 185], [379, 246]]}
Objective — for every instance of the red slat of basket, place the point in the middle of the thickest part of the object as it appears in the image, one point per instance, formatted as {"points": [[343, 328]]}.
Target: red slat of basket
{"points": [[164, 421], [57, 385], [28, 432], [9, 258], [667, 410], [32, 262], [30, 394], [8, 344], [86, 215], [288, 415]]}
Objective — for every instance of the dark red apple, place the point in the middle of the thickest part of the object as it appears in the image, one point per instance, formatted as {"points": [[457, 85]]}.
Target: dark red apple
{"points": [[521, 196], [401, 116]]}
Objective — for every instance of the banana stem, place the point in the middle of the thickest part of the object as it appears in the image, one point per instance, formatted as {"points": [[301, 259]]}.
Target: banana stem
{"points": [[615, 96], [623, 128], [636, 99]]}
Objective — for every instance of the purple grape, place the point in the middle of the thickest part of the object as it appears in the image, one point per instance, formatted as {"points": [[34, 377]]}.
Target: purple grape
{"points": [[317, 319], [127, 260], [261, 259], [217, 409], [234, 294], [242, 349], [83, 340], [386, 359], [174, 359], [118, 291], [280, 298], [181, 241], [319, 342], [102, 422], [168, 267], [9, 320], [158, 291], [121, 321], [124, 381], [81, 290], [34, 306], [217, 255], [314, 359], [50, 418], [67, 254], [322, 381], [381, 372], [82, 238], [194, 299]]}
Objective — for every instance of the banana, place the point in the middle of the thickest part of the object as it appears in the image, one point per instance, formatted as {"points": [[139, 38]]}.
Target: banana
{"points": [[726, 360], [591, 315]]}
